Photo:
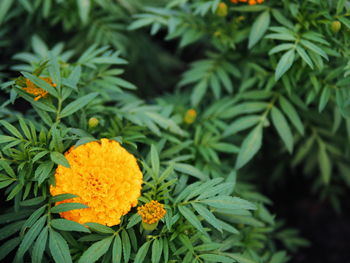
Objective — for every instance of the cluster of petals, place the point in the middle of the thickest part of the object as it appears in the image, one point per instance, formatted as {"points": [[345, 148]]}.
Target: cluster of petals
{"points": [[250, 2], [151, 212], [104, 176], [31, 88]]}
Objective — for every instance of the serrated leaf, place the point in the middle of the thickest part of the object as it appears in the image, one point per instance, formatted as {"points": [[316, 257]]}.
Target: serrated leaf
{"points": [[292, 114], [59, 159], [284, 64], [250, 146], [59, 248], [259, 28], [282, 127], [142, 252], [77, 104], [97, 250], [207, 215], [39, 246], [100, 228], [157, 247], [64, 207], [126, 246], [191, 217], [68, 225], [117, 250]]}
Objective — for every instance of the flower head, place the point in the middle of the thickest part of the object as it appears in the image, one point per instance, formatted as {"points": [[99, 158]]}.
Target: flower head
{"points": [[250, 2], [104, 176], [190, 116], [35, 90], [151, 212]]}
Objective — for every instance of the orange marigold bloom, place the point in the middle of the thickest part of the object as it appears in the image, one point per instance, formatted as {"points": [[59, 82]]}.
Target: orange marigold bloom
{"points": [[190, 116], [104, 176], [151, 212], [250, 2], [35, 90]]}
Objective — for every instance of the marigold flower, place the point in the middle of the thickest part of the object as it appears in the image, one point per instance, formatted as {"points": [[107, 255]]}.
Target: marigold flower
{"points": [[151, 212], [190, 116], [250, 2], [35, 90], [104, 176]]}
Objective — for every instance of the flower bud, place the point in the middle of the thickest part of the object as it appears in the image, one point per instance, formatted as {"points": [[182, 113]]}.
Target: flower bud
{"points": [[93, 122], [190, 116], [336, 25], [222, 9]]}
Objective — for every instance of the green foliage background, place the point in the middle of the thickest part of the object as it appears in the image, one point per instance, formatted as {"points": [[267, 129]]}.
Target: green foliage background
{"points": [[269, 78]]}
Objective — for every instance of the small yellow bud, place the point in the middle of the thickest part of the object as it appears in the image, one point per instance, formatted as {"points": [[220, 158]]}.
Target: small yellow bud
{"points": [[93, 122], [336, 25], [222, 9], [190, 116]]}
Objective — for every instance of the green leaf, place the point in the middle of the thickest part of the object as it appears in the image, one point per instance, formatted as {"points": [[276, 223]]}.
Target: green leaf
{"points": [[39, 246], [155, 160], [340, 6], [7, 168], [191, 217], [207, 215], [216, 258], [77, 104], [325, 96], [14, 191], [10, 229], [12, 129], [61, 197], [250, 146], [314, 48], [259, 28], [5, 139], [59, 248], [117, 250], [303, 54], [84, 9], [157, 247], [54, 70], [228, 202], [241, 124], [8, 246], [284, 64], [59, 159], [97, 250], [190, 170], [41, 83], [282, 127], [142, 252], [133, 220], [325, 164], [67, 207], [68, 225], [292, 114], [198, 92], [5, 6], [126, 246], [30, 236], [100, 228]]}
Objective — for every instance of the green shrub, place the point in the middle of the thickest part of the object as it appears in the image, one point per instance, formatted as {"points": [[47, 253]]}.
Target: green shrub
{"points": [[209, 96]]}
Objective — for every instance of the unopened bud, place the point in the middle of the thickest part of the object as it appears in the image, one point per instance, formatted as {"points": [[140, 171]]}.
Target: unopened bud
{"points": [[222, 9], [336, 25], [93, 122], [190, 116]]}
